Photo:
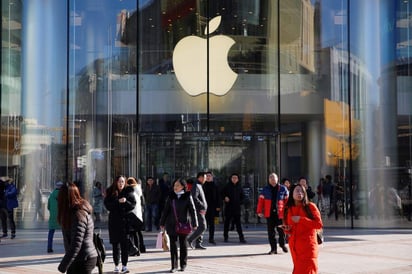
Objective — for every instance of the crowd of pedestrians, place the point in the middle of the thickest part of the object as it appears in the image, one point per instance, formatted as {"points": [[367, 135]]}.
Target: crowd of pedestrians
{"points": [[159, 205]]}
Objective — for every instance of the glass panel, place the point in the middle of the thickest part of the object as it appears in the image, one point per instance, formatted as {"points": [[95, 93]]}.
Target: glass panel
{"points": [[102, 121], [315, 118], [33, 73], [250, 102], [404, 103], [163, 105]]}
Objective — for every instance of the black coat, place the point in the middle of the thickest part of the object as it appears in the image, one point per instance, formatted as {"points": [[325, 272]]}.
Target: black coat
{"points": [[119, 214], [185, 207], [212, 198], [236, 198]]}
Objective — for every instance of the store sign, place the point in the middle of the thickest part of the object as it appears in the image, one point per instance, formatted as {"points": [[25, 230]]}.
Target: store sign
{"points": [[190, 62]]}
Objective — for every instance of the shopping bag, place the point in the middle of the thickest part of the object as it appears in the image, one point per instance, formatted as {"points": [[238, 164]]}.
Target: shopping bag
{"points": [[159, 240], [165, 241]]}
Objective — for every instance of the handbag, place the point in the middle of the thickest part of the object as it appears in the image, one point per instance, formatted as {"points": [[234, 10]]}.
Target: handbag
{"points": [[165, 241], [159, 240], [133, 249], [181, 228], [319, 236]]}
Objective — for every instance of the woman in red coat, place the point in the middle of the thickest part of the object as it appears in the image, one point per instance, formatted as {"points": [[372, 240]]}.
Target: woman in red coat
{"points": [[301, 221]]}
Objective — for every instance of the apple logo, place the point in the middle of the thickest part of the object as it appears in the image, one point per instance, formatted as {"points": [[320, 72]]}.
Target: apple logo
{"points": [[190, 62]]}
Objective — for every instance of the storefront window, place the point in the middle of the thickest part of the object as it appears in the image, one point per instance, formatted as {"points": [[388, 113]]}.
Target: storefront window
{"points": [[92, 89]]}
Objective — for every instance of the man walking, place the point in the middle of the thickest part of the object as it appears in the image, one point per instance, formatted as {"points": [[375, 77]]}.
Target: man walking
{"points": [[213, 204], [201, 207], [271, 202]]}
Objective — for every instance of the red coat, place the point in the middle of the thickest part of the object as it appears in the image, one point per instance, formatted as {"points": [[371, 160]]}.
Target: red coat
{"points": [[302, 241]]}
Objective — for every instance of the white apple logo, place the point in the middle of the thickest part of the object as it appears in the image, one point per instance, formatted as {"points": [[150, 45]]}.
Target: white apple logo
{"points": [[190, 62]]}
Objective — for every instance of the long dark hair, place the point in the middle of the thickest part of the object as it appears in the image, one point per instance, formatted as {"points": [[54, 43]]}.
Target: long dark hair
{"points": [[113, 190], [69, 200]]}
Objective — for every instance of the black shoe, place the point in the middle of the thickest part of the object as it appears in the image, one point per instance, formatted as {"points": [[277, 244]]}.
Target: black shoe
{"points": [[190, 244], [272, 252], [243, 241], [4, 235], [13, 236], [226, 240], [143, 249], [285, 249], [199, 246], [183, 268], [173, 270], [212, 242], [49, 250]]}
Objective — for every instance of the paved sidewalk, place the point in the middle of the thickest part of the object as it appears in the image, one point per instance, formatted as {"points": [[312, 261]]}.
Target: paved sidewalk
{"points": [[383, 251]]}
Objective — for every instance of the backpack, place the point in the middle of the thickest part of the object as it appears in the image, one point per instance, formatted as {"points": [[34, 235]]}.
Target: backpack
{"points": [[101, 251]]}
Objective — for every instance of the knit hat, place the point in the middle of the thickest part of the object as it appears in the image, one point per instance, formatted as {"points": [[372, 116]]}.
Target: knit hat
{"points": [[58, 184]]}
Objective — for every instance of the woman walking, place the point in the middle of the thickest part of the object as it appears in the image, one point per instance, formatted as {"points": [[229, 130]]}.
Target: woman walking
{"points": [[301, 221], [75, 217], [120, 202], [178, 206], [136, 219]]}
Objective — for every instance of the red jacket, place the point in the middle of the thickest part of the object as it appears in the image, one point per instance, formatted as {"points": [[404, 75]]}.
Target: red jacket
{"points": [[265, 200]]}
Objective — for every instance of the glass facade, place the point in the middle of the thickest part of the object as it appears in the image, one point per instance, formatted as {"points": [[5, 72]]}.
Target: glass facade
{"points": [[91, 89]]}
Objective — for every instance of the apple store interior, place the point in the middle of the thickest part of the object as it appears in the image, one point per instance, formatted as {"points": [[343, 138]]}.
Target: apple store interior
{"points": [[91, 89]]}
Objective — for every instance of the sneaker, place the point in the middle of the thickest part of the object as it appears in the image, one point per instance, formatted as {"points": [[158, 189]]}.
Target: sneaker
{"points": [[124, 269], [116, 269]]}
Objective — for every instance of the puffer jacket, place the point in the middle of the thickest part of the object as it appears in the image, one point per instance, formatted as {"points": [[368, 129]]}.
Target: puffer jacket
{"points": [[11, 196], [78, 240], [185, 207], [265, 200]]}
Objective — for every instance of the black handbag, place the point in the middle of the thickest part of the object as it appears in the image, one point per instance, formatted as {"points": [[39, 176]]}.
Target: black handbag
{"points": [[133, 249]]}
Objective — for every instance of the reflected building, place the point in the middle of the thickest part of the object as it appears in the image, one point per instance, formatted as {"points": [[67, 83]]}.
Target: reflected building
{"points": [[92, 89]]}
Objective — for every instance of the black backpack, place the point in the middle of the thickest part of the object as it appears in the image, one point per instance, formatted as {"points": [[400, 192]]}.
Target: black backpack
{"points": [[101, 251]]}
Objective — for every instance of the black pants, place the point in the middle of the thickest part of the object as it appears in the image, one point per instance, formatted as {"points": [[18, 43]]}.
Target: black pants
{"points": [[229, 216], [4, 215], [3, 218], [210, 221], [272, 223], [173, 250], [121, 249], [82, 267]]}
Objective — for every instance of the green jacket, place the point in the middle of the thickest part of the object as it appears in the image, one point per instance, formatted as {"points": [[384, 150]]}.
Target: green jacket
{"points": [[52, 207]]}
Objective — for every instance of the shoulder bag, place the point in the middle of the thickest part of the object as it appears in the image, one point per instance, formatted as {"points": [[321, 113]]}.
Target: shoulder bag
{"points": [[181, 228]]}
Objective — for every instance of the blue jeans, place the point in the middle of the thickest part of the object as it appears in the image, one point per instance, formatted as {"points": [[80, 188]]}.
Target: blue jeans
{"points": [[50, 239], [151, 216]]}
